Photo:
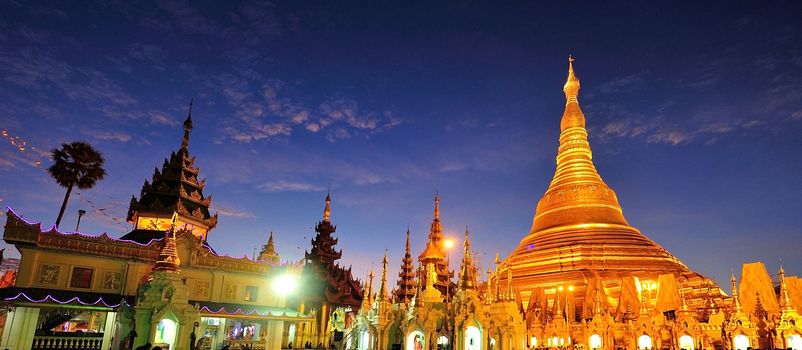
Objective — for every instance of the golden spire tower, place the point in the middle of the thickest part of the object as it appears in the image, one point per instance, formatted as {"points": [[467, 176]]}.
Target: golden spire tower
{"points": [[383, 287], [467, 276], [327, 209], [435, 254], [785, 300], [579, 229]]}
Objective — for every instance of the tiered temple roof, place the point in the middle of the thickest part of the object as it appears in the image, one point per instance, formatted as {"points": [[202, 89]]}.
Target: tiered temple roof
{"points": [[434, 254], [467, 275], [268, 253], [579, 231], [406, 277], [328, 282], [174, 195]]}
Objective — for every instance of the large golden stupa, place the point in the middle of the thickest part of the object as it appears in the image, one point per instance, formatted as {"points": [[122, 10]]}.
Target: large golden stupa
{"points": [[580, 237]]}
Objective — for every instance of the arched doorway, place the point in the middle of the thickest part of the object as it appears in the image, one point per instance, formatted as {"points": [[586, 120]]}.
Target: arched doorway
{"points": [[533, 342], [166, 331], [473, 338], [794, 342], [595, 341], [644, 342], [364, 340], [686, 342], [416, 341], [740, 342]]}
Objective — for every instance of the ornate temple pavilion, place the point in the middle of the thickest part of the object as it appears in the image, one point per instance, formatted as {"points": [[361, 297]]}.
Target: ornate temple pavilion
{"points": [[161, 283]]}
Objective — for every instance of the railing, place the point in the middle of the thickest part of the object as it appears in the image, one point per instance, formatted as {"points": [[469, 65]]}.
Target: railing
{"points": [[68, 341], [247, 344]]}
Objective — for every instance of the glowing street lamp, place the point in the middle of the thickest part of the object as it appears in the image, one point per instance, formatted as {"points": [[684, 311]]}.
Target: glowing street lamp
{"points": [[285, 284], [448, 243]]}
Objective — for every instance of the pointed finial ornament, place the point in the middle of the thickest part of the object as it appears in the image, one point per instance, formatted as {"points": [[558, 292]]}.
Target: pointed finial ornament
{"points": [[734, 292], [327, 209], [383, 287], [785, 301], [467, 275], [187, 126], [489, 295], [571, 87], [407, 247], [437, 205]]}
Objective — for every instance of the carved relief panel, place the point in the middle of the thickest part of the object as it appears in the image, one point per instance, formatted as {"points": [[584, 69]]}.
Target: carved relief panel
{"points": [[48, 274], [202, 289], [111, 280], [230, 291]]}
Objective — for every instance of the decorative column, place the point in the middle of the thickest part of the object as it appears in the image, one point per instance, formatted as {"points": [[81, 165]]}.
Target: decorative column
{"points": [[108, 329], [20, 327]]}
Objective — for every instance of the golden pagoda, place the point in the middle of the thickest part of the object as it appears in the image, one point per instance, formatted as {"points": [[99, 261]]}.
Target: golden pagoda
{"points": [[579, 233]]}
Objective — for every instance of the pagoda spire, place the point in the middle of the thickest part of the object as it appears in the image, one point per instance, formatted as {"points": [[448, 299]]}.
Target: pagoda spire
{"points": [[168, 256], [436, 228], [575, 170], [785, 300], [327, 209], [489, 296], [268, 253], [370, 286], [467, 276], [571, 87], [736, 301], [434, 252], [187, 127], [597, 305], [173, 189], [383, 287], [436, 205], [406, 281]]}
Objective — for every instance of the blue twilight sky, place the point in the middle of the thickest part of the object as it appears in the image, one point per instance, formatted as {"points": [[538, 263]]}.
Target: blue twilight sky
{"points": [[694, 112]]}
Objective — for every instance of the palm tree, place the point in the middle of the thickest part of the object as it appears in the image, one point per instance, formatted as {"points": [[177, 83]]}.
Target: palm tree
{"points": [[76, 164]]}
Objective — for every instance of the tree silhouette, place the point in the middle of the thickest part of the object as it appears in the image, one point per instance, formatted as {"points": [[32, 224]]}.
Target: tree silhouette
{"points": [[76, 164]]}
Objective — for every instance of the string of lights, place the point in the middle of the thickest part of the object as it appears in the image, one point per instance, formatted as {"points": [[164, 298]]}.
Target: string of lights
{"points": [[63, 302]]}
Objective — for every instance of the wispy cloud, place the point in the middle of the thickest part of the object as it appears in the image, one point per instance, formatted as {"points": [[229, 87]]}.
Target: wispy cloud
{"points": [[153, 55], [289, 186], [110, 135], [263, 113], [626, 82], [234, 213]]}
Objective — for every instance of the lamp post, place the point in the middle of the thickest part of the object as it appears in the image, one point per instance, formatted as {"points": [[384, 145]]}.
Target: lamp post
{"points": [[81, 213]]}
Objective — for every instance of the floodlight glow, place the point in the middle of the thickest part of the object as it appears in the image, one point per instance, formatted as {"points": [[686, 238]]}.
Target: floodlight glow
{"points": [[448, 243], [285, 284]]}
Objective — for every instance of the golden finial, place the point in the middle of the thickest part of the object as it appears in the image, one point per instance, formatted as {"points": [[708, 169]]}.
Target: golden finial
{"points": [[785, 300], [467, 242], [187, 126], [466, 275], [383, 287], [735, 292], [327, 210], [407, 239], [437, 205], [571, 87]]}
